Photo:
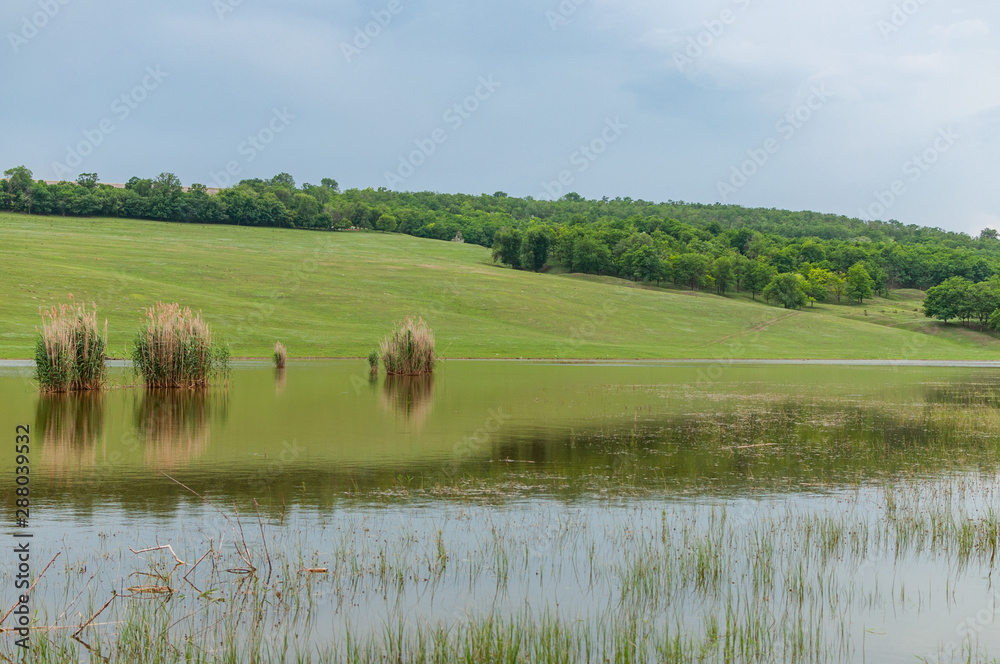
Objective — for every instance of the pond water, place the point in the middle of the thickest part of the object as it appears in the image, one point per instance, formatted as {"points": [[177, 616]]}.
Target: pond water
{"points": [[515, 510]]}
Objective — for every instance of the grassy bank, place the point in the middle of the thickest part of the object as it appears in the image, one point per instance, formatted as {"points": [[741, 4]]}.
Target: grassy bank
{"points": [[334, 295]]}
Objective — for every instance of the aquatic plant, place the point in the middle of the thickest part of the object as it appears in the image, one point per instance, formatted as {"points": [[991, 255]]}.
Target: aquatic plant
{"points": [[373, 361], [280, 355], [409, 350], [70, 351], [175, 349]]}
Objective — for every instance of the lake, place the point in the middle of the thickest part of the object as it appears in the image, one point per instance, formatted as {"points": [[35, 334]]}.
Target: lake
{"points": [[515, 511]]}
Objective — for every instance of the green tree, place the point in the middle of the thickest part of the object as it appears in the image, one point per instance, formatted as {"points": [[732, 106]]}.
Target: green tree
{"points": [[787, 289], [590, 256], [386, 223], [758, 275], [859, 283], [535, 248], [18, 180], [837, 283], [954, 298], [507, 247], [691, 270], [87, 181], [817, 284], [723, 271]]}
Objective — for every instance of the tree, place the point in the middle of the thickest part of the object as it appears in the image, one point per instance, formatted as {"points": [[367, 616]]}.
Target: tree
{"points": [[788, 289], [18, 182], [724, 272], [386, 223], [954, 298], [859, 283], [507, 247], [837, 283], [817, 284], [648, 265], [535, 248], [691, 269], [87, 181], [758, 275], [590, 256]]}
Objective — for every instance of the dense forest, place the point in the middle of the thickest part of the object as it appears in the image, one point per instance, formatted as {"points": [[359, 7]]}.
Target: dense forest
{"points": [[793, 258]]}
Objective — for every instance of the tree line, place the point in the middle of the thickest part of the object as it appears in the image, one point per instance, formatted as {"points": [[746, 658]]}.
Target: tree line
{"points": [[793, 258]]}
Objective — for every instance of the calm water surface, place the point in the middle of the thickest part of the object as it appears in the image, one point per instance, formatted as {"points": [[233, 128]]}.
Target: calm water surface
{"points": [[823, 513]]}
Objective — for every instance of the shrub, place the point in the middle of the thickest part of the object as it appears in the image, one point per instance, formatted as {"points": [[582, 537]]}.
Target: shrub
{"points": [[280, 355], [175, 349], [409, 350], [70, 351]]}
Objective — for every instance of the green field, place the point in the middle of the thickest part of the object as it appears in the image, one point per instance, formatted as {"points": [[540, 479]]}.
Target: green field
{"points": [[336, 294]]}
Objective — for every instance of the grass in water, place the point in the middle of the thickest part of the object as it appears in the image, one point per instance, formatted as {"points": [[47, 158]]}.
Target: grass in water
{"points": [[409, 350], [70, 351], [175, 349], [280, 355]]}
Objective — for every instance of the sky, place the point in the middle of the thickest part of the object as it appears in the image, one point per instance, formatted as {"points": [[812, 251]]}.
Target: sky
{"points": [[872, 109]]}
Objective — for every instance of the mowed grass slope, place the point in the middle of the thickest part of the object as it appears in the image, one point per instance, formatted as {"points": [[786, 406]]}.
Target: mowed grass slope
{"points": [[336, 294]]}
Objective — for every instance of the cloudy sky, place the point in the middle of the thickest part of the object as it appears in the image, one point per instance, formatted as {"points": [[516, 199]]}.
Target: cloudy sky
{"points": [[881, 109]]}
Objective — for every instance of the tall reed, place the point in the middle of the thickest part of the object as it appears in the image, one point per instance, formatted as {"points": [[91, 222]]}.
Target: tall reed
{"points": [[409, 350], [175, 349], [70, 351], [280, 355]]}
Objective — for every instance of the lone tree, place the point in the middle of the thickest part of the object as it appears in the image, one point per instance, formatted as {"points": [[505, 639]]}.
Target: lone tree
{"points": [[859, 283], [788, 289]]}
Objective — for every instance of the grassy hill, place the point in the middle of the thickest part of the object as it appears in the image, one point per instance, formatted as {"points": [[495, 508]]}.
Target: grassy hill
{"points": [[336, 294]]}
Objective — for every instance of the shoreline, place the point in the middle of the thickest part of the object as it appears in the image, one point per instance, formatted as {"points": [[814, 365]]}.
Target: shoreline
{"points": [[638, 362]]}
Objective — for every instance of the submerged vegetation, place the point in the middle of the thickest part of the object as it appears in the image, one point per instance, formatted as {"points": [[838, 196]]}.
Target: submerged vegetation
{"points": [[70, 351], [777, 579], [409, 350], [175, 349]]}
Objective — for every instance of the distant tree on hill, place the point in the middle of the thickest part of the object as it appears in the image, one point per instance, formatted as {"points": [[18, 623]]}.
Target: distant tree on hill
{"points": [[788, 290], [507, 247], [859, 283], [758, 276], [386, 223]]}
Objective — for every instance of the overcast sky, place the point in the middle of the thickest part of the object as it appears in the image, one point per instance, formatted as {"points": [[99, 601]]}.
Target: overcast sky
{"points": [[867, 108]]}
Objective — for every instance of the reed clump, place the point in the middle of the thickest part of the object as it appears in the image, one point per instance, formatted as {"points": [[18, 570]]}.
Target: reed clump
{"points": [[373, 362], [409, 350], [70, 351], [175, 349], [280, 355]]}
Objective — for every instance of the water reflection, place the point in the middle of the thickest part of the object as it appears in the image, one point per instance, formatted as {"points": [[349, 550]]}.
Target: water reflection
{"points": [[174, 424], [411, 397], [279, 381], [71, 426]]}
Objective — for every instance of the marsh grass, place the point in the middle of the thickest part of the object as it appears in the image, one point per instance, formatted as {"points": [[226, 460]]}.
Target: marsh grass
{"points": [[409, 350], [280, 355], [175, 349], [70, 351], [685, 584]]}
